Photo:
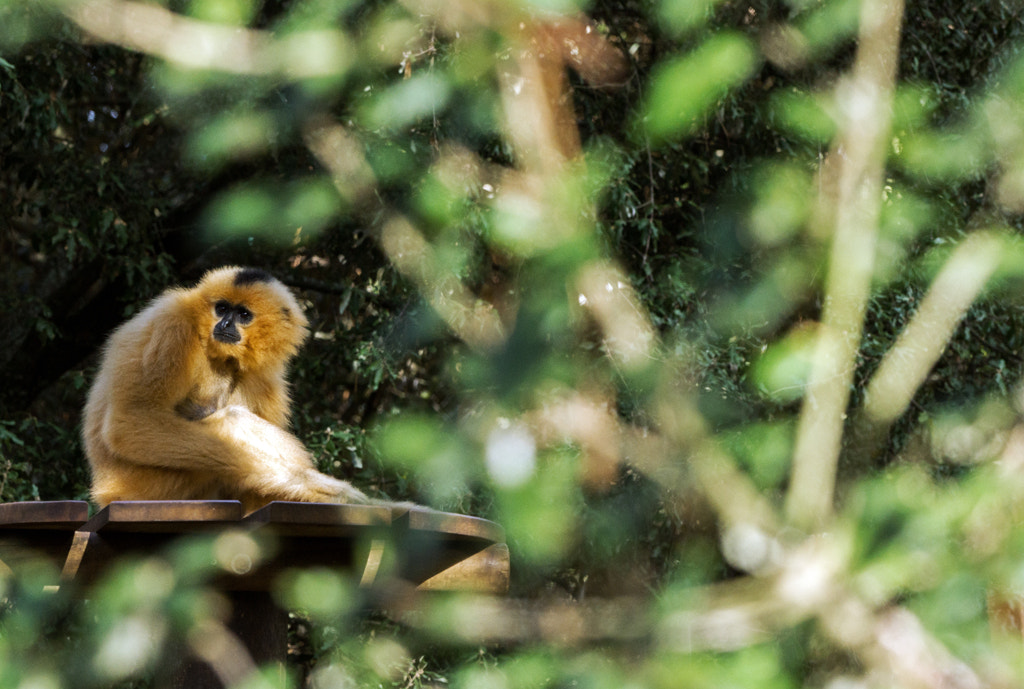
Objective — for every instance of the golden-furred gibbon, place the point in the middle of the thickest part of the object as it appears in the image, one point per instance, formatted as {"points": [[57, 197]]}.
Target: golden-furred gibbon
{"points": [[191, 400]]}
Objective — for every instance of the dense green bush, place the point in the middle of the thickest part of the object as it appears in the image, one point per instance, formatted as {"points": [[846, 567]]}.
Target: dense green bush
{"points": [[724, 330]]}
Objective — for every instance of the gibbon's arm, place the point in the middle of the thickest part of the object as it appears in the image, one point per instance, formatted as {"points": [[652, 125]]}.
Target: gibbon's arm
{"points": [[266, 395], [153, 359], [235, 444]]}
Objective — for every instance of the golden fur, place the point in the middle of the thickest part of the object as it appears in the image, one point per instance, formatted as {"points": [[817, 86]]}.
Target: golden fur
{"points": [[174, 413]]}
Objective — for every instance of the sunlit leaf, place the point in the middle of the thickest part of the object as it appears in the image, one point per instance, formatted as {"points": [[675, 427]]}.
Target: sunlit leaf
{"points": [[684, 89], [784, 367], [411, 99], [231, 136], [238, 12], [279, 213], [685, 15]]}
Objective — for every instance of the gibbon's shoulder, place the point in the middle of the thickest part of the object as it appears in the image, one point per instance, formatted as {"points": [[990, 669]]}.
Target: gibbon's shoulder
{"points": [[170, 307], [159, 332]]}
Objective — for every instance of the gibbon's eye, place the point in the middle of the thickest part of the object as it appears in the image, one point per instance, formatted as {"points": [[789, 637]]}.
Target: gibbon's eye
{"points": [[221, 308], [244, 315]]}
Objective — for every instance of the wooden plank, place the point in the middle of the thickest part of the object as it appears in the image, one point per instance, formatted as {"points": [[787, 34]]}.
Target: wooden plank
{"points": [[166, 516], [312, 535], [57, 514], [315, 518], [442, 551], [423, 519], [38, 531], [431, 542], [82, 542]]}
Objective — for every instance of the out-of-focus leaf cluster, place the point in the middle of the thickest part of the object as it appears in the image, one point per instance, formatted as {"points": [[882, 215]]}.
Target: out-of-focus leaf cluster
{"points": [[573, 268]]}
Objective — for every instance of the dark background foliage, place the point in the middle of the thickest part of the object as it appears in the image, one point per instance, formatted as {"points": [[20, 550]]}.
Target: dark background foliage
{"points": [[109, 193], [105, 205]]}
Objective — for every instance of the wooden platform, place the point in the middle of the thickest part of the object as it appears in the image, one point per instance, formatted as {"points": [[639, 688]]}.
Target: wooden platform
{"points": [[382, 545]]}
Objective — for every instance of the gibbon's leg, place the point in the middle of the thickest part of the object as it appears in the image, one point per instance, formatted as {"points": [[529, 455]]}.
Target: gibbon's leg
{"points": [[247, 453], [272, 448], [116, 479], [278, 467]]}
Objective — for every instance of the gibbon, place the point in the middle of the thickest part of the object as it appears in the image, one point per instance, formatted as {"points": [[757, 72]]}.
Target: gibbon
{"points": [[191, 400]]}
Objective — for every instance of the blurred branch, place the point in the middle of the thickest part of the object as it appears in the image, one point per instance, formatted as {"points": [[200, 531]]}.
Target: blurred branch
{"points": [[894, 647], [628, 332], [204, 45], [540, 117], [922, 342], [677, 455], [857, 159], [473, 320], [892, 643], [226, 655], [342, 155], [485, 619]]}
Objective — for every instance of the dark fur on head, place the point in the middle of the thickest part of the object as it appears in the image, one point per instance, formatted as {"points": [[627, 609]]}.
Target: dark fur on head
{"points": [[248, 276]]}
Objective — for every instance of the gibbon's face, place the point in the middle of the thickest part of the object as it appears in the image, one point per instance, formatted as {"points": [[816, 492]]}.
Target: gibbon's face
{"points": [[249, 316], [229, 318]]}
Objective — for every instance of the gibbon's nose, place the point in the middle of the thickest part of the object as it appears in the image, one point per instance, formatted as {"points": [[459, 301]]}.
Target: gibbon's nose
{"points": [[225, 331]]}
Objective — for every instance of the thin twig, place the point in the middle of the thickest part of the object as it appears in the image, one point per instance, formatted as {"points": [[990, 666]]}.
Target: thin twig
{"points": [[858, 157]]}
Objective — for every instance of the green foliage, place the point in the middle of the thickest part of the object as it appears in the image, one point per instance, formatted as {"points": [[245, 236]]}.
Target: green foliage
{"points": [[34, 461], [621, 353], [685, 89]]}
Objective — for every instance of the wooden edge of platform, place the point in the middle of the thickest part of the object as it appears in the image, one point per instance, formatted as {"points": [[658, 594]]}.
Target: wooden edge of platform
{"points": [[488, 571], [53, 514], [423, 519], [282, 513], [132, 514], [129, 514]]}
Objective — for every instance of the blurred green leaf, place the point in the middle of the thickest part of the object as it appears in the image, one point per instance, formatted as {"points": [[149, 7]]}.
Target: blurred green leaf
{"points": [[299, 208], [783, 369], [952, 155], [540, 513], [401, 104], [323, 594], [803, 114], [441, 459], [684, 89], [687, 15], [782, 204], [238, 12], [764, 450], [826, 25], [231, 136]]}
